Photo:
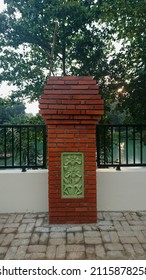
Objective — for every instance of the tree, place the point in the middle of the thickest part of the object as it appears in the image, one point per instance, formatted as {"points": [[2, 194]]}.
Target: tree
{"points": [[126, 22], [84, 45], [28, 26], [11, 110]]}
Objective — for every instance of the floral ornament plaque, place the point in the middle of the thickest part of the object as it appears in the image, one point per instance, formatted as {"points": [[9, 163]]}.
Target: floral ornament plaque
{"points": [[72, 175]]}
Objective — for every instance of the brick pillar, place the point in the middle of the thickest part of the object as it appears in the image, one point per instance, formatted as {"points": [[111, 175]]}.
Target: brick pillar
{"points": [[71, 107]]}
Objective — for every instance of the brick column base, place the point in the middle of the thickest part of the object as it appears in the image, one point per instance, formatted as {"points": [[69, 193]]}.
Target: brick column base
{"points": [[71, 107]]}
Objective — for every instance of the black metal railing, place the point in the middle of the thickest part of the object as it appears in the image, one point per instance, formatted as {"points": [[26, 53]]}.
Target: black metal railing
{"points": [[22, 146], [121, 145]]}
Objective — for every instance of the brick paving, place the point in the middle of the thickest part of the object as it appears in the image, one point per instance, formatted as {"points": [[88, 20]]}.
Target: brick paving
{"points": [[116, 235]]}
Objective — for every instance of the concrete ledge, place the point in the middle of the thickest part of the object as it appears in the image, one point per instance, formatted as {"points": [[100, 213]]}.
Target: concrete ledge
{"points": [[123, 190]]}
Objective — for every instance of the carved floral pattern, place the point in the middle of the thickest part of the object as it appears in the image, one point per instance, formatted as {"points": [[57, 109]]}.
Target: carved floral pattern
{"points": [[72, 175]]}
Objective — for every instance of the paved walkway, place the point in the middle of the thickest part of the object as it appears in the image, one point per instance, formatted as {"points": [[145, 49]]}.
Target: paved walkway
{"points": [[116, 235]]}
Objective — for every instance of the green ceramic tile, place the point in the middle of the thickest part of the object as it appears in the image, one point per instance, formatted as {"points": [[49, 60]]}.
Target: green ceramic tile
{"points": [[72, 175]]}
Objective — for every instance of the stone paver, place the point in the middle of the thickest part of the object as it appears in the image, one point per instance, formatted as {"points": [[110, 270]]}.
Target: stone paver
{"points": [[75, 256], [90, 252], [100, 252], [10, 255], [20, 253], [35, 239], [8, 239], [113, 246], [115, 255], [128, 240], [93, 240], [44, 238], [116, 235], [29, 227], [37, 249], [2, 236], [51, 252], [61, 252], [57, 241], [19, 242], [129, 250], [35, 256]]}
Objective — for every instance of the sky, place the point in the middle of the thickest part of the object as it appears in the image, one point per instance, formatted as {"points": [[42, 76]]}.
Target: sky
{"points": [[30, 108], [5, 89]]}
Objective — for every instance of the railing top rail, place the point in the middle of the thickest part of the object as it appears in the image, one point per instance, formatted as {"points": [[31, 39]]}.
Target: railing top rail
{"points": [[122, 125], [22, 125]]}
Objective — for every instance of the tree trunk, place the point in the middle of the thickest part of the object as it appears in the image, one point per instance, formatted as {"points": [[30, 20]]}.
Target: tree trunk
{"points": [[64, 51]]}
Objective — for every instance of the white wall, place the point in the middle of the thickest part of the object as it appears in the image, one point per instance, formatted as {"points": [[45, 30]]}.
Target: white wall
{"points": [[121, 190], [116, 190], [23, 191]]}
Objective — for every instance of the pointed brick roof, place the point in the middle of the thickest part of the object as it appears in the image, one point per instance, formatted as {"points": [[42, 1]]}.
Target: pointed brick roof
{"points": [[71, 99]]}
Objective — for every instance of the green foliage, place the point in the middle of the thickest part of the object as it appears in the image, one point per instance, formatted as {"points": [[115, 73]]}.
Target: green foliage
{"points": [[85, 37], [126, 22], [28, 26], [11, 110]]}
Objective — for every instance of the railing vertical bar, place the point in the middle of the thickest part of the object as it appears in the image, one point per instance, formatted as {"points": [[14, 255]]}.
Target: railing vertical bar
{"points": [[13, 146], [141, 157], [5, 146], [97, 146], [27, 146], [104, 145], [35, 145], [119, 145], [44, 148], [20, 145], [112, 155], [127, 143], [134, 144]]}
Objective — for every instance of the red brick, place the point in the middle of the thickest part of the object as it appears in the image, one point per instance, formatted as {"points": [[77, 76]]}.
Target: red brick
{"points": [[96, 118], [95, 112], [69, 112], [82, 87], [57, 82], [72, 82], [65, 135], [94, 102], [56, 150], [49, 112], [87, 82], [57, 96], [91, 96], [52, 144], [93, 87], [81, 209], [57, 106], [51, 136], [42, 106], [71, 101], [70, 107], [71, 129], [88, 121], [59, 117]]}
